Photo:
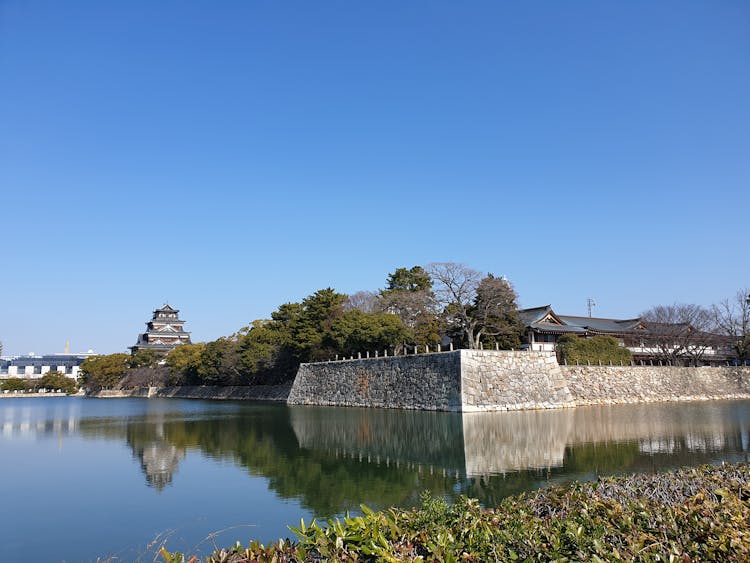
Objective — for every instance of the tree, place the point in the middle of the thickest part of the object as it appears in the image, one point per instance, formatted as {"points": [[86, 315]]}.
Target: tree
{"points": [[680, 333], [365, 301], [184, 363], [456, 289], [604, 349], [732, 318], [103, 372], [264, 356], [413, 280], [144, 358], [356, 331], [494, 316], [315, 317], [55, 380], [219, 363], [13, 384], [408, 294]]}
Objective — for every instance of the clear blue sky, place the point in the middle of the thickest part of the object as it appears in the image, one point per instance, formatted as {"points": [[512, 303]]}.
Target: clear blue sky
{"points": [[227, 157]]}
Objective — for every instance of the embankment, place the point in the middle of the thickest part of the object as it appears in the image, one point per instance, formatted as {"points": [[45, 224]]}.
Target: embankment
{"points": [[476, 380], [461, 380], [483, 380], [237, 393]]}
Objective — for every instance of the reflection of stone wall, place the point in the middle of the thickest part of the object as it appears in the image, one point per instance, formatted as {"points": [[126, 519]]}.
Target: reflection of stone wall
{"points": [[635, 384], [500, 442], [387, 436], [491, 443], [698, 423]]}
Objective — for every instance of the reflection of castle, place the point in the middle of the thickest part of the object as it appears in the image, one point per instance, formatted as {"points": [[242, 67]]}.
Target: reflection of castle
{"points": [[159, 461], [159, 458]]}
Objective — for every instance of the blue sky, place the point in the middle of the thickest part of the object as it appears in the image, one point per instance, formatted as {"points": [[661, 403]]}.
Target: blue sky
{"points": [[227, 157]]}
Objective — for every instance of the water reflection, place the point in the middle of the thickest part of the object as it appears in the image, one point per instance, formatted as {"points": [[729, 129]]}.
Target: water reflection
{"points": [[20, 418], [333, 459]]}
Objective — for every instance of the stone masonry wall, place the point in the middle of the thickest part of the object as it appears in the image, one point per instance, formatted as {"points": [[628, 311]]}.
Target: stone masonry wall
{"points": [[463, 380], [487, 380], [427, 382], [603, 385], [248, 392], [504, 380]]}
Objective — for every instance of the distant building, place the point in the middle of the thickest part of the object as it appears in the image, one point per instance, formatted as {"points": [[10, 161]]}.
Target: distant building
{"points": [[163, 332], [647, 341], [33, 366]]}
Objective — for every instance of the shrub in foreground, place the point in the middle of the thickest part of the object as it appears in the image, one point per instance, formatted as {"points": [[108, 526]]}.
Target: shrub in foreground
{"points": [[700, 514]]}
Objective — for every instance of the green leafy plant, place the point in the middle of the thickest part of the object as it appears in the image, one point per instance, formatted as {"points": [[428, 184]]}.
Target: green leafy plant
{"points": [[688, 515]]}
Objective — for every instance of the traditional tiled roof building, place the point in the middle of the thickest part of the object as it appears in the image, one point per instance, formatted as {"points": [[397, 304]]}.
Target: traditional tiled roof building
{"points": [[164, 331], [544, 327], [647, 341]]}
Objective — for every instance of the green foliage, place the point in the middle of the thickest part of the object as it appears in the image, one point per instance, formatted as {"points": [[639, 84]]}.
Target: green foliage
{"points": [[13, 384], [269, 352], [103, 372], [408, 294], [496, 314], [411, 280], [604, 349], [355, 331], [264, 354], [144, 359], [218, 363], [184, 363], [57, 381], [690, 515], [316, 316]]}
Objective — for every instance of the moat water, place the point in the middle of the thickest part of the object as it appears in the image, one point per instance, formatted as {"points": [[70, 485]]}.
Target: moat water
{"points": [[92, 478]]}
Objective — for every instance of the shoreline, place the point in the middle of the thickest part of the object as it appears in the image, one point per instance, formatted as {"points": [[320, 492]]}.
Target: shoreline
{"points": [[275, 393], [12, 395], [280, 393]]}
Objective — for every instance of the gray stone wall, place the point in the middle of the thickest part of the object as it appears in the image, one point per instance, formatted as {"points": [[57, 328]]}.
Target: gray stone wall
{"points": [[603, 385], [505, 380], [249, 392], [477, 380], [488, 380], [463, 380], [426, 381]]}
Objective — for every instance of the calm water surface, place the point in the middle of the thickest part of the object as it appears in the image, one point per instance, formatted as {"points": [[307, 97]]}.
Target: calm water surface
{"points": [[88, 478]]}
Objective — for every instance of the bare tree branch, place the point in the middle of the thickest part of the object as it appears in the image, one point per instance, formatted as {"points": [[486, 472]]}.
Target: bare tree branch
{"points": [[732, 318], [680, 332]]}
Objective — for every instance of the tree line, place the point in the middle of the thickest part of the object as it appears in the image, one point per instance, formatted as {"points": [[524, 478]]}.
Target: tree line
{"points": [[50, 381], [419, 307]]}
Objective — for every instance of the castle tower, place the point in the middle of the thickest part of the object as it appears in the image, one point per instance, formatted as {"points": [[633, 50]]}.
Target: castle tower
{"points": [[163, 332]]}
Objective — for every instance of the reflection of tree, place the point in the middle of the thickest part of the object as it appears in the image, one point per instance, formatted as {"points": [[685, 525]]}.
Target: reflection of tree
{"points": [[262, 440], [334, 459]]}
